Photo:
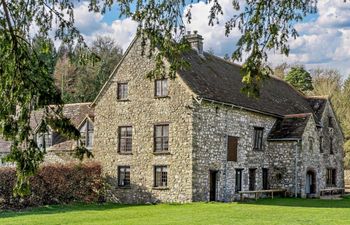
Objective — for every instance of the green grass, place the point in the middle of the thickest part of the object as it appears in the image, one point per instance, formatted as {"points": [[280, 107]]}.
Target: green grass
{"points": [[264, 211]]}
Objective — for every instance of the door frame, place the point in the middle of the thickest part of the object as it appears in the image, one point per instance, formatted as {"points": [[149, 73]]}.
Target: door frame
{"points": [[310, 182], [213, 187]]}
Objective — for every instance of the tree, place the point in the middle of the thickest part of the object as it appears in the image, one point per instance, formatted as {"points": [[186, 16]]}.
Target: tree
{"points": [[280, 70], [26, 82], [300, 79], [82, 83], [110, 54], [326, 82]]}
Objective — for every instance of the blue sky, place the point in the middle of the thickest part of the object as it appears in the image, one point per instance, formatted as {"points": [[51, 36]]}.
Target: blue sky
{"points": [[324, 39]]}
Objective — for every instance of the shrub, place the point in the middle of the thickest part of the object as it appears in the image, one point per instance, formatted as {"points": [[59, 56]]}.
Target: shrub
{"points": [[54, 184]]}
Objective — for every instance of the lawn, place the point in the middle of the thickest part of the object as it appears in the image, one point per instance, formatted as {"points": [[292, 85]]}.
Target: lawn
{"points": [[264, 211]]}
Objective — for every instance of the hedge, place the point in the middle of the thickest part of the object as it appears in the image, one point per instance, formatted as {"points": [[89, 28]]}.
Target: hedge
{"points": [[54, 184]]}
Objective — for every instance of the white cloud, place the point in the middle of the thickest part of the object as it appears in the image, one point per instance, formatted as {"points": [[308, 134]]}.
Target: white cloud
{"points": [[91, 25], [324, 42], [214, 36]]}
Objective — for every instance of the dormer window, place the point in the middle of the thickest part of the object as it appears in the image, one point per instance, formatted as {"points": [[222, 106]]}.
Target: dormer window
{"points": [[44, 140], [161, 88], [122, 91], [87, 134]]}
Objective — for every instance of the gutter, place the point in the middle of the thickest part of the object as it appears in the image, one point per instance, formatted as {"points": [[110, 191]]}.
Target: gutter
{"points": [[284, 139], [240, 107], [296, 169]]}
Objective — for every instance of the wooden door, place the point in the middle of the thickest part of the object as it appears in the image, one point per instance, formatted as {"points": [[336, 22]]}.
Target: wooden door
{"points": [[213, 185]]}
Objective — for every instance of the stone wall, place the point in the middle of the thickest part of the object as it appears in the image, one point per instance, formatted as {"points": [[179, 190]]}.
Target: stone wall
{"points": [[142, 111], [316, 161], [212, 123]]}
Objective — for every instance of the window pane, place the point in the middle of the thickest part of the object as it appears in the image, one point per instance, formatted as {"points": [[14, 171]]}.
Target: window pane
{"points": [[166, 130], [158, 88], [258, 138], [124, 176], [122, 91], [161, 140], [161, 87], [158, 131], [161, 176], [165, 143], [164, 87], [90, 139]]}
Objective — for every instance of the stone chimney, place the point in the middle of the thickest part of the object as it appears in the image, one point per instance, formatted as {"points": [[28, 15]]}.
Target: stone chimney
{"points": [[196, 41]]}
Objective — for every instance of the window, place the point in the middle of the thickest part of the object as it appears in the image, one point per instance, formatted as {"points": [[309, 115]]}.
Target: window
{"points": [[265, 178], [44, 140], [252, 178], [161, 88], [239, 173], [258, 138], [331, 146], [232, 143], [125, 139], [87, 134], [330, 121], [311, 144], [122, 91], [160, 176], [161, 138], [321, 144], [124, 176], [331, 177]]}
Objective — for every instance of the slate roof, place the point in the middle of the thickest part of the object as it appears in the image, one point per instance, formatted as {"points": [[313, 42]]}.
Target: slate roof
{"points": [[76, 112], [318, 104], [291, 127], [213, 78]]}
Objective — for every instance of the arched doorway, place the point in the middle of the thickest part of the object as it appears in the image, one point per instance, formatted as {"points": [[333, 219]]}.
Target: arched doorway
{"points": [[310, 182]]}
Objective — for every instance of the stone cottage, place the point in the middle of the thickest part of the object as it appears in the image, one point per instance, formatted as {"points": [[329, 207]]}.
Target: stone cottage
{"points": [[198, 138], [59, 149]]}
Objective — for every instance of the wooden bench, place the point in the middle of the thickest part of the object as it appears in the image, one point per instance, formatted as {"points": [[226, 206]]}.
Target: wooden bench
{"points": [[258, 192], [332, 190]]}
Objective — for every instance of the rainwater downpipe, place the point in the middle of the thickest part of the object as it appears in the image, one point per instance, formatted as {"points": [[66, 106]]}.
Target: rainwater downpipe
{"points": [[296, 168], [225, 164]]}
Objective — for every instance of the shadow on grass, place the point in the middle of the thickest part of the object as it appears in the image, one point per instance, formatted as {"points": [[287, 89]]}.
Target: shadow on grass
{"points": [[298, 202], [55, 209]]}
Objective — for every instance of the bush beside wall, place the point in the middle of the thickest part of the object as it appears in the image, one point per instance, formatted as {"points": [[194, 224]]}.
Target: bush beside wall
{"points": [[54, 184]]}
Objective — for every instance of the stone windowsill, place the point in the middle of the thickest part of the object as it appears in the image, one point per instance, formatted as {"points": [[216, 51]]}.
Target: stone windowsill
{"points": [[123, 100], [124, 153], [162, 153], [124, 187], [160, 188], [258, 149], [161, 97]]}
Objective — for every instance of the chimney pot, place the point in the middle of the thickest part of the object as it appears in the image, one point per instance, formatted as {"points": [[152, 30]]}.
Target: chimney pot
{"points": [[195, 31], [188, 32]]}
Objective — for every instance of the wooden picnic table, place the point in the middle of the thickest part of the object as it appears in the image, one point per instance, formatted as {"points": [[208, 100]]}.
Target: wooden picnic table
{"points": [[332, 190], [258, 192]]}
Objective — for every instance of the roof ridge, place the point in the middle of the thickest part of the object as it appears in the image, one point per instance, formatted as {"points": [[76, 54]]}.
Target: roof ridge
{"points": [[72, 104], [325, 97]]}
